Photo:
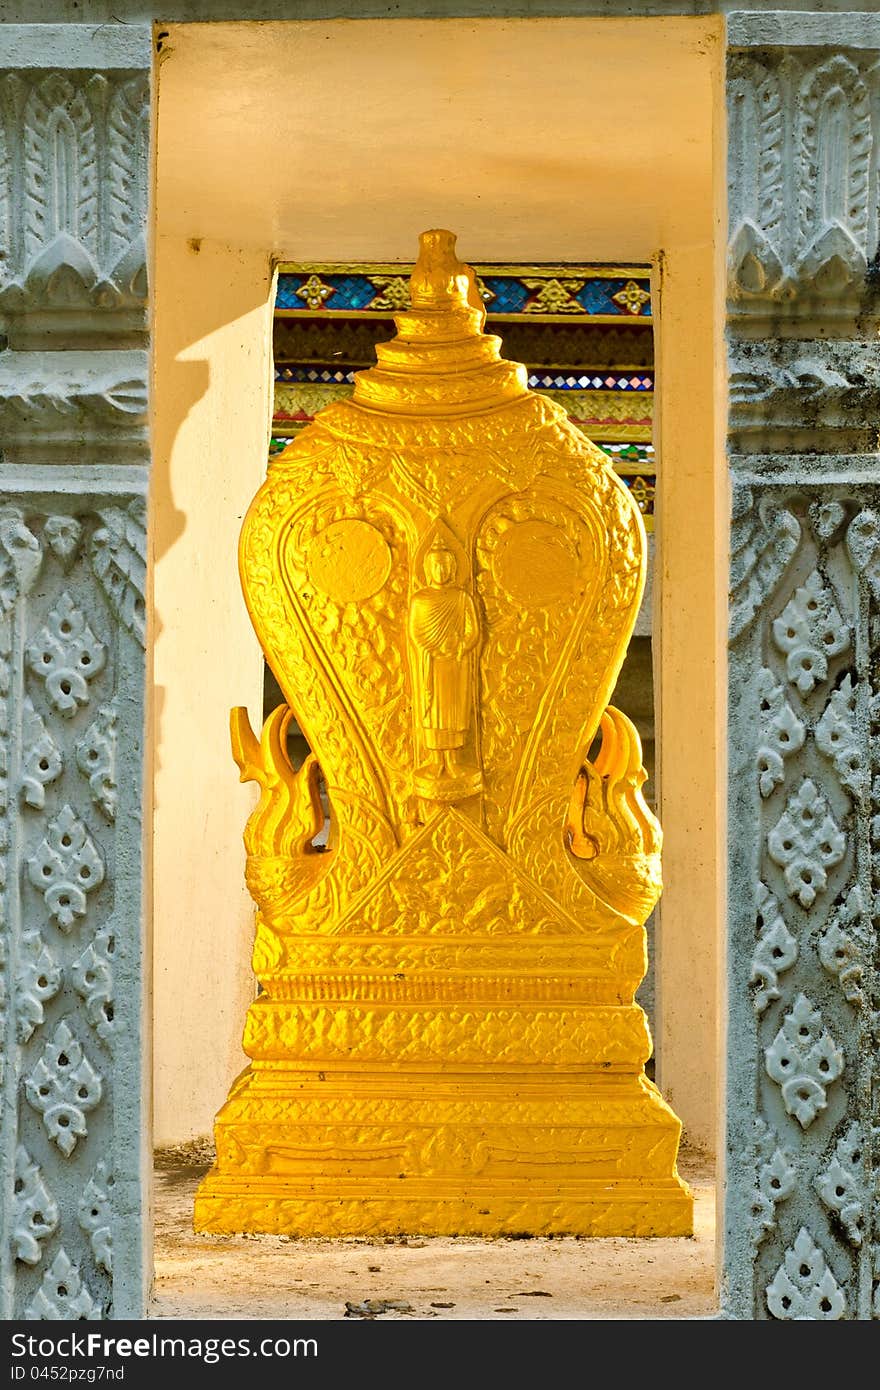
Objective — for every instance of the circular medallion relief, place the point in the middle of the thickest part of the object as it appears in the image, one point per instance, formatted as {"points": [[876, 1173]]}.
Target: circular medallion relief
{"points": [[536, 564], [349, 561]]}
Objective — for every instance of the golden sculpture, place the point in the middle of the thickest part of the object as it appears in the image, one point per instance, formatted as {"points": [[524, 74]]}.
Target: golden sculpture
{"points": [[444, 629], [444, 575]]}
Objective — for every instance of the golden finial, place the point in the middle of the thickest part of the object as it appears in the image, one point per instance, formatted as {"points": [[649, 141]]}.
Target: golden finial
{"points": [[439, 279], [441, 362]]}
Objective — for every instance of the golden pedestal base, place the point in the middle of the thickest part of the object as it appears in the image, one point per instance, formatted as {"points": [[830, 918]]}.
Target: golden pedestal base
{"points": [[444, 575], [306, 1154]]}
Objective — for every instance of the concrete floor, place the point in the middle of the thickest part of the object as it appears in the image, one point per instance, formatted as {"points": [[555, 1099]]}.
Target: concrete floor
{"points": [[464, 1278]]}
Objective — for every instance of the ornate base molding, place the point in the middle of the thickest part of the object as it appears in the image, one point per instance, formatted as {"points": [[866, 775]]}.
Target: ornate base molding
{"points": [[429, 1155]]}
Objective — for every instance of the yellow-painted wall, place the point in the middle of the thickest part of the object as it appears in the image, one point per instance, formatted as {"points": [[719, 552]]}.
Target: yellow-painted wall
{"points": [[570, 139], [211, 394], [690, 621]]}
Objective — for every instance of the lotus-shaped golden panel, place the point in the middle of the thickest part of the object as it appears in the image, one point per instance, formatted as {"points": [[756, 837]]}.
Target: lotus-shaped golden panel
{"points": [[444, 575]]}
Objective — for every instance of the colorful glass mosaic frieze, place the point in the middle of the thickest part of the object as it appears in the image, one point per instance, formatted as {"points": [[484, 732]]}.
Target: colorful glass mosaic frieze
{"points": [[626, 379], [601, 293], [631, 455], [610, 380]]}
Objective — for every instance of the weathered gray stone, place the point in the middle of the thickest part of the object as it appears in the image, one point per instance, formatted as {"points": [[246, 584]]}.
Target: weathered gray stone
{"points": [[802, 126], [800, 26], [119, 46], [792, 393], [72, 920], [73, 448], [803, 690]]}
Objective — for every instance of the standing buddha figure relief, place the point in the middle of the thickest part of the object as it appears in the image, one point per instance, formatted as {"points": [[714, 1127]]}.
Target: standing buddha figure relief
{"points": [[444, 629], [444, 575]]}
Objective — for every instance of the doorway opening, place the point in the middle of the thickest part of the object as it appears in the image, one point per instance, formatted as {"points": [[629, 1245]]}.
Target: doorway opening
{"points": [[600, 169]]}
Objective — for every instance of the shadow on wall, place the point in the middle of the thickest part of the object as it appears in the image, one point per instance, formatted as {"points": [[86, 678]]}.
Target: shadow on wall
{"points": [[191, 426], [210, 401]]}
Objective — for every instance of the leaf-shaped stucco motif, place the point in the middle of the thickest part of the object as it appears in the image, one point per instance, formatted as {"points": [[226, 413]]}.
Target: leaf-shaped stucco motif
{"points": [[128, 143], [118, 552], [804, 1288], [764, 538], [833, 150], [61, 166], [63, 1295]]}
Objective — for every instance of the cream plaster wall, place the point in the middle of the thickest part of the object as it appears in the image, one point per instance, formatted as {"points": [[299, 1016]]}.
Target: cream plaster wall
{"points": [[211, 398], [690, 625], [570, 139]]}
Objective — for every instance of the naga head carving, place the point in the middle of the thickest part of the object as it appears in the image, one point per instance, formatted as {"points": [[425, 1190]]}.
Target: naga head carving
{"points": [[610, 831]]}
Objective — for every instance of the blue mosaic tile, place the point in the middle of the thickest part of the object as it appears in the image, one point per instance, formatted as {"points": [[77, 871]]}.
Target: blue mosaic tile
{"points": [[613, 287], [285, 296], [352, 291], [349, 292], [508, 294]]}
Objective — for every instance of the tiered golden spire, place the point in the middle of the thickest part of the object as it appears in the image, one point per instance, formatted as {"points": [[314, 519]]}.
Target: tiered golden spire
{"points": [[441, 362]]}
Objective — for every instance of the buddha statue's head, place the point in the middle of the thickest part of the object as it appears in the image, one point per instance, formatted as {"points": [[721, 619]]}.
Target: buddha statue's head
{"points": [[440, 565]]}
